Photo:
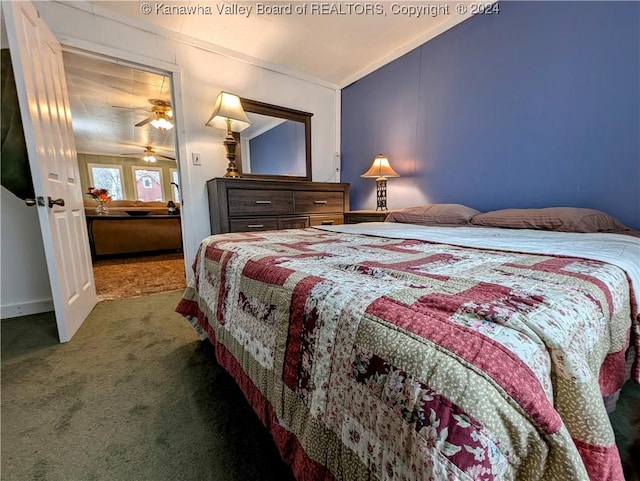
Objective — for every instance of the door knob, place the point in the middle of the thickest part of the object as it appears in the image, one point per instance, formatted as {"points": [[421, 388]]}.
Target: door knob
{"points": [[30, 202], [59, 202]]}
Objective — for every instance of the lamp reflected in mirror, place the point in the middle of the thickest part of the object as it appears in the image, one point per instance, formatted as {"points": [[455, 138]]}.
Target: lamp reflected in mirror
{"points": [[228, 114]]}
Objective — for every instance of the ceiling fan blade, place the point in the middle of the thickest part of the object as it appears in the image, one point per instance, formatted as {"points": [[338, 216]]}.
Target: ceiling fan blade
{"points": [[144, 122], [141, 109], [166, 157]]}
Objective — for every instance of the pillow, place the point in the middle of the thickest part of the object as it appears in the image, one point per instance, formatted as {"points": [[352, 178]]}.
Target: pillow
{"points": [[561, 219], [433, 214]]}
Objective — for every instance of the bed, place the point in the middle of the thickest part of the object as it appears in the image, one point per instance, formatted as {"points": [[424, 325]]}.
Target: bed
{"points": [[397, 351]]}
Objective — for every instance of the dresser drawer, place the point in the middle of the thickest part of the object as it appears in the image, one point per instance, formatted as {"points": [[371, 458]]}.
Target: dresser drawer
{"points": [[259, 202], [293, 222], [318, 202], [248, 225], [327, 219]]}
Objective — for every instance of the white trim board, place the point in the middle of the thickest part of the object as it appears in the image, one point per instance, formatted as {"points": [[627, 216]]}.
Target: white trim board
{"points": [[26, 308]]}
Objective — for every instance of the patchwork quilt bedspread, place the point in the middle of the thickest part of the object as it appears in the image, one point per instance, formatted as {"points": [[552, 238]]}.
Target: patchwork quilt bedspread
{"points": [[371, 357]]}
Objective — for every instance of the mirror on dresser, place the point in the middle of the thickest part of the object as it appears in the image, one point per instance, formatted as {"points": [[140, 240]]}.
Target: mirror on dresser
{"points": [[277, 145]]}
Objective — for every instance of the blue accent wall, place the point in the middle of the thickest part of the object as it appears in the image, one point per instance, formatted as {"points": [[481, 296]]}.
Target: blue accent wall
{"points": [[279, 150], [536, 106]]}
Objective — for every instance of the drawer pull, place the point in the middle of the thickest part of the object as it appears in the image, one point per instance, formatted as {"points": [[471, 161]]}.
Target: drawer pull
{"points": [[326, 222], [255, 226], [263, 202], [319, 201]]}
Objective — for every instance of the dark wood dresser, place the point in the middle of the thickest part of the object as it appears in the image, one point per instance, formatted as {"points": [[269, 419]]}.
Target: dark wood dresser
{"points": [[242, 205]]}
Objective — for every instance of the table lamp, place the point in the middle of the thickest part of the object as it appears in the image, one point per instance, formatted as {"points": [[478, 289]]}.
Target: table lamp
{"points": [[380, 170], [228, 114]]}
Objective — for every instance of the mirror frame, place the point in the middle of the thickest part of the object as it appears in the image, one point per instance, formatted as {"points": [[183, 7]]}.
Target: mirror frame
{"points": [[253, 106]]}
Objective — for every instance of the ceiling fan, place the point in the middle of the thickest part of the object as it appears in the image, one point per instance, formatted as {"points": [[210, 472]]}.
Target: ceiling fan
{"points": [[162, 115], [149, 155]]}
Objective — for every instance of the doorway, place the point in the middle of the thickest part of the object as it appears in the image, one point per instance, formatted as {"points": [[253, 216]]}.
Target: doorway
{"points": [[123, 127]]}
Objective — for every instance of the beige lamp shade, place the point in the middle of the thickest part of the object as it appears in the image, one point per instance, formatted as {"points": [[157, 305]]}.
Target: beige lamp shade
{"points": [[228, 106], [380, 168]]}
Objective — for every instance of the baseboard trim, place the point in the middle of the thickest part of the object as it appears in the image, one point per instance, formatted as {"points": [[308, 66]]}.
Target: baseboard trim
{"points": [[10, 311]]}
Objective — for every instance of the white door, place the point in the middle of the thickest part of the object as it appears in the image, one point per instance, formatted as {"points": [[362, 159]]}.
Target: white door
{"points": [[44, 103]]}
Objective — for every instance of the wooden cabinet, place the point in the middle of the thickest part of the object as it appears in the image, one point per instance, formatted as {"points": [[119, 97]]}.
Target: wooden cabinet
{"points": [[241, 205]]}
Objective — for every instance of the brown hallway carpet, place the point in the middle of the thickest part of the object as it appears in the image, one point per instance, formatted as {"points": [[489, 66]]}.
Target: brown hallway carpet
{"points": [[137, 276]]}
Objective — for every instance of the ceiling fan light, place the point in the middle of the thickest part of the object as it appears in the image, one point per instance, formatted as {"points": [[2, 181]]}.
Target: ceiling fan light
{"points": [[149, 155], [162, 123]]}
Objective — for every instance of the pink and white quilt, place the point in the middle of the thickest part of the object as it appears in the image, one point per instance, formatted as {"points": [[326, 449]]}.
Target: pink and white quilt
{"points": [[380, 357]]}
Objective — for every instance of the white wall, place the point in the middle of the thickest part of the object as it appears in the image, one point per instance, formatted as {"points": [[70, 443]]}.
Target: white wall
{"points": [[24, 282], [203, 73], [204, 70]]}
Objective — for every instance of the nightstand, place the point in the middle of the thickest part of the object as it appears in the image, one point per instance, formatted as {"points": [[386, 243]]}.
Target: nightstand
{"points": [[356, 216]]}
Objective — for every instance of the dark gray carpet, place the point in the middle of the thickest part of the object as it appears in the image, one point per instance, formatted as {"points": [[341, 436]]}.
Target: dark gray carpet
{"points": [[135, 396], [626, 426]]}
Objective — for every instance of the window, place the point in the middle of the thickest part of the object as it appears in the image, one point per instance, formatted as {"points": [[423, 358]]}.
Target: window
{"points": [[104, 176], [175, 182], [148, 183]]}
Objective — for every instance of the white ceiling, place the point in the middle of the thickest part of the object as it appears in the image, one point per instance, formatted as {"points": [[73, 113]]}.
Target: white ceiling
{"points": [[107, 100], [332, 48], [337, 48]]}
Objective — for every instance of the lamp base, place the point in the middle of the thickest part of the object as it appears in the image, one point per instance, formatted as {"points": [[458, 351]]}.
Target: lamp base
{"points": [[230, 145], [381, 193]]}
